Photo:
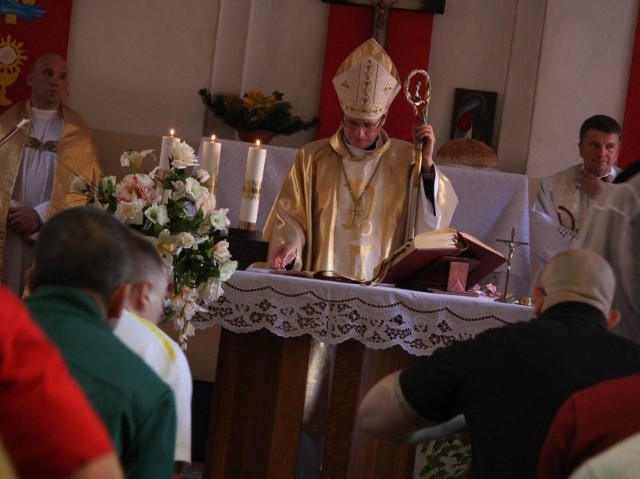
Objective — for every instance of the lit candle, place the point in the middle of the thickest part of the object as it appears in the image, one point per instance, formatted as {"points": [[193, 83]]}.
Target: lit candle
{"points": [[165, 150], [252, 184], [211, 156]]}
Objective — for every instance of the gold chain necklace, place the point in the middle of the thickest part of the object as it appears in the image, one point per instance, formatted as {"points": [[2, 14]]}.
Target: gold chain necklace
{"points": [[355, 211]]}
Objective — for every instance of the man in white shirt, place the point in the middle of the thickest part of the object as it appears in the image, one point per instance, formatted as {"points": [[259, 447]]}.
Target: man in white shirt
{"points": [[566, 198], [138, 329]]}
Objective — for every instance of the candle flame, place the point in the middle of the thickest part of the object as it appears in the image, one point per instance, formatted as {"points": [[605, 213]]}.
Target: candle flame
{"points": [[257, 143], [171, 132], [213, 137]]}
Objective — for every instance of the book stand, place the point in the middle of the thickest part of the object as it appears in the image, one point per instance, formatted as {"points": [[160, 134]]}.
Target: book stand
{"points": [[447, 274]]}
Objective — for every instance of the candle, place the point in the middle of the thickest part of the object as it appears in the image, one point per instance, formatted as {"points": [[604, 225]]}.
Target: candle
{"points": [[165, 150], [252, 184], [211, 156]]}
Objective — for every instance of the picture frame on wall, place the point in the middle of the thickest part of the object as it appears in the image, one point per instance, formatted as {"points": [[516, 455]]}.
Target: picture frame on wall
{"points": [[473, 115]]}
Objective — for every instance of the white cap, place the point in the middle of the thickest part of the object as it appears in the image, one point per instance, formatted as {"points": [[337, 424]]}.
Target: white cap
{"points": [[579, 275], [367, 82]]}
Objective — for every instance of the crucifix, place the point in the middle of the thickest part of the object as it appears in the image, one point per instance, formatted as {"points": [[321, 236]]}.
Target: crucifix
{"points": [[382, 8], [511, 244]]}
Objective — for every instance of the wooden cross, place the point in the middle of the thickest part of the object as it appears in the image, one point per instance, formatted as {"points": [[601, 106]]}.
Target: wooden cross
{"points": [[382, 8]]}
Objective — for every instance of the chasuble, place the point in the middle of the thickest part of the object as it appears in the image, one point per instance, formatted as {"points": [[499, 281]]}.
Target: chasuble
{"points": [[74, 154], [346, 213]]}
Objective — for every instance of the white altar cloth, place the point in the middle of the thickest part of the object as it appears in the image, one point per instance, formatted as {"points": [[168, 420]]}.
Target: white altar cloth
{"points": [[377, 316], [491, 202]]}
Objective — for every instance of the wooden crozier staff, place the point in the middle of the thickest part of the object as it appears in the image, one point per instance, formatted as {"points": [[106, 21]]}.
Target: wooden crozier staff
{"points": [[420, 102]]}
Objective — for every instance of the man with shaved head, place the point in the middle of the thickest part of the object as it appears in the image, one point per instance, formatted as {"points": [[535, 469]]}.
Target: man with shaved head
{"points": [[508, 382], [38, 165]]}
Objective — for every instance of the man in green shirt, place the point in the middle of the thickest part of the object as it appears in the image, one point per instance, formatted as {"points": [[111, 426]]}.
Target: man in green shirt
{"points": [[79, 282]]}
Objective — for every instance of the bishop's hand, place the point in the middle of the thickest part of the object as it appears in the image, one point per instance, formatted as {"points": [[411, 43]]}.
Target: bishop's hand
{"points": [[424, 133]]}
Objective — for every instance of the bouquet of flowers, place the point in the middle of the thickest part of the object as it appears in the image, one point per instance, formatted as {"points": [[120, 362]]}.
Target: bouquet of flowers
{"points": [[256, 111], [178, 210]]}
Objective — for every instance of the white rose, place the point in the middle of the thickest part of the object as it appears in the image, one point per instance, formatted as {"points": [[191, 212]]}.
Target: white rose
{"points": [[186, 240], [182, 156], [221, 250], [130, 213]]}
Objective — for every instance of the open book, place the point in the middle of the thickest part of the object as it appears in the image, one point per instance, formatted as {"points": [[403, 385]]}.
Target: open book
{"points": [[424, 260]]}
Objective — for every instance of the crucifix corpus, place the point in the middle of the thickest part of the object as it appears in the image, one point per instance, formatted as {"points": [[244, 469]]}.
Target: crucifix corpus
{"points": [[382, 8]]}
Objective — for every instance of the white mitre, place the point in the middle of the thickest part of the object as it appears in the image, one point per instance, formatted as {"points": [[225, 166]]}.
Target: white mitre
{"points": [[367, 82]]}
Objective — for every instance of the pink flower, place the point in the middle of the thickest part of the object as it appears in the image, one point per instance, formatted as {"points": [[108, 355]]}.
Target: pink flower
{"points": [[137, 187]]}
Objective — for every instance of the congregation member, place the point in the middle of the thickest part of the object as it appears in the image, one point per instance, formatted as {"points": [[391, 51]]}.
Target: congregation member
{"points": [[613, 232], [508, 382], [137, 328], [38, 164], [565, 199], [589, 422], [79, 284], [343, 205], [48, 428]]}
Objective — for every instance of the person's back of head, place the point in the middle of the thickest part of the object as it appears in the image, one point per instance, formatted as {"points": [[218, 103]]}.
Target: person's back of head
{"points": [[85, 248], [149, 280], [577, 275]]}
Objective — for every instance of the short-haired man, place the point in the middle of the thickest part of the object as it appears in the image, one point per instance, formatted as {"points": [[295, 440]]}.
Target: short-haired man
{"points": [[79, 283], [137, 328], [508, 382], [565, 198]]}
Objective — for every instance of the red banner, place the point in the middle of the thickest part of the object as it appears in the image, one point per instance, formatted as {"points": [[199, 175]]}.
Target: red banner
{"points": [[29, 28], [630, 139], [408, 43]]}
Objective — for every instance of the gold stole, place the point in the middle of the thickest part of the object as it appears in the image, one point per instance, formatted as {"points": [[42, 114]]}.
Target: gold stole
{"points": [[77, 156]]}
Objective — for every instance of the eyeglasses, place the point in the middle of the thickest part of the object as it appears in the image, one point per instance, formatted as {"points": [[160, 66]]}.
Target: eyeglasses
{"points": [[353, 125]]}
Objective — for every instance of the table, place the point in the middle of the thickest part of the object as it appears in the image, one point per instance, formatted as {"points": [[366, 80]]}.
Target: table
{"points": [[491, 202], [268, 323]]}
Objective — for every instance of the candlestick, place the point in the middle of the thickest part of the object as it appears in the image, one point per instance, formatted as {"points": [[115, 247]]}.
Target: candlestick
{"points": [[165, 150], [252, 185]]}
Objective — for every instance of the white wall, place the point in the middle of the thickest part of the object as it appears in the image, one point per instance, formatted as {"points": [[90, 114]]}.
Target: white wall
{"points": [[584, 70]]}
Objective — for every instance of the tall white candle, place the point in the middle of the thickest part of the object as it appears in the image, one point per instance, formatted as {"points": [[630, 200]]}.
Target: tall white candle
{"points": [[211, 156], [252, 184], [165, 150]]}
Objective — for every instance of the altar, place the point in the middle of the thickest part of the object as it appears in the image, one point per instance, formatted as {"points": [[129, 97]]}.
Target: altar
{"points": [[268, 322]]}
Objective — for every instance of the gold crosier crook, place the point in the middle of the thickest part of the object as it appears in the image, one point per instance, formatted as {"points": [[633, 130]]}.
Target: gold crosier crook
{"points": [[420, 102]]}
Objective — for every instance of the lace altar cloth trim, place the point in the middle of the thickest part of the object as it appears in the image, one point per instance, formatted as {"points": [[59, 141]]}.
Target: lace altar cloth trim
{"points": [[379, 317]]}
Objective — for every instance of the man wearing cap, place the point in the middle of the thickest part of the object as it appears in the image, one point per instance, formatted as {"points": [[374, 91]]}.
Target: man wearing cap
{"points": [[343, 206], [509, 382]]}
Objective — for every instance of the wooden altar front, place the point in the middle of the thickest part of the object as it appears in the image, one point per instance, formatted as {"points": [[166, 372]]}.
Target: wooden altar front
{"points": [[269, 322]]}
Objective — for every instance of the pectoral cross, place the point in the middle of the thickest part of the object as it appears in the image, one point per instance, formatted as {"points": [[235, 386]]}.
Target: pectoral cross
{"points": [[353, 212], [382, 8]]}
